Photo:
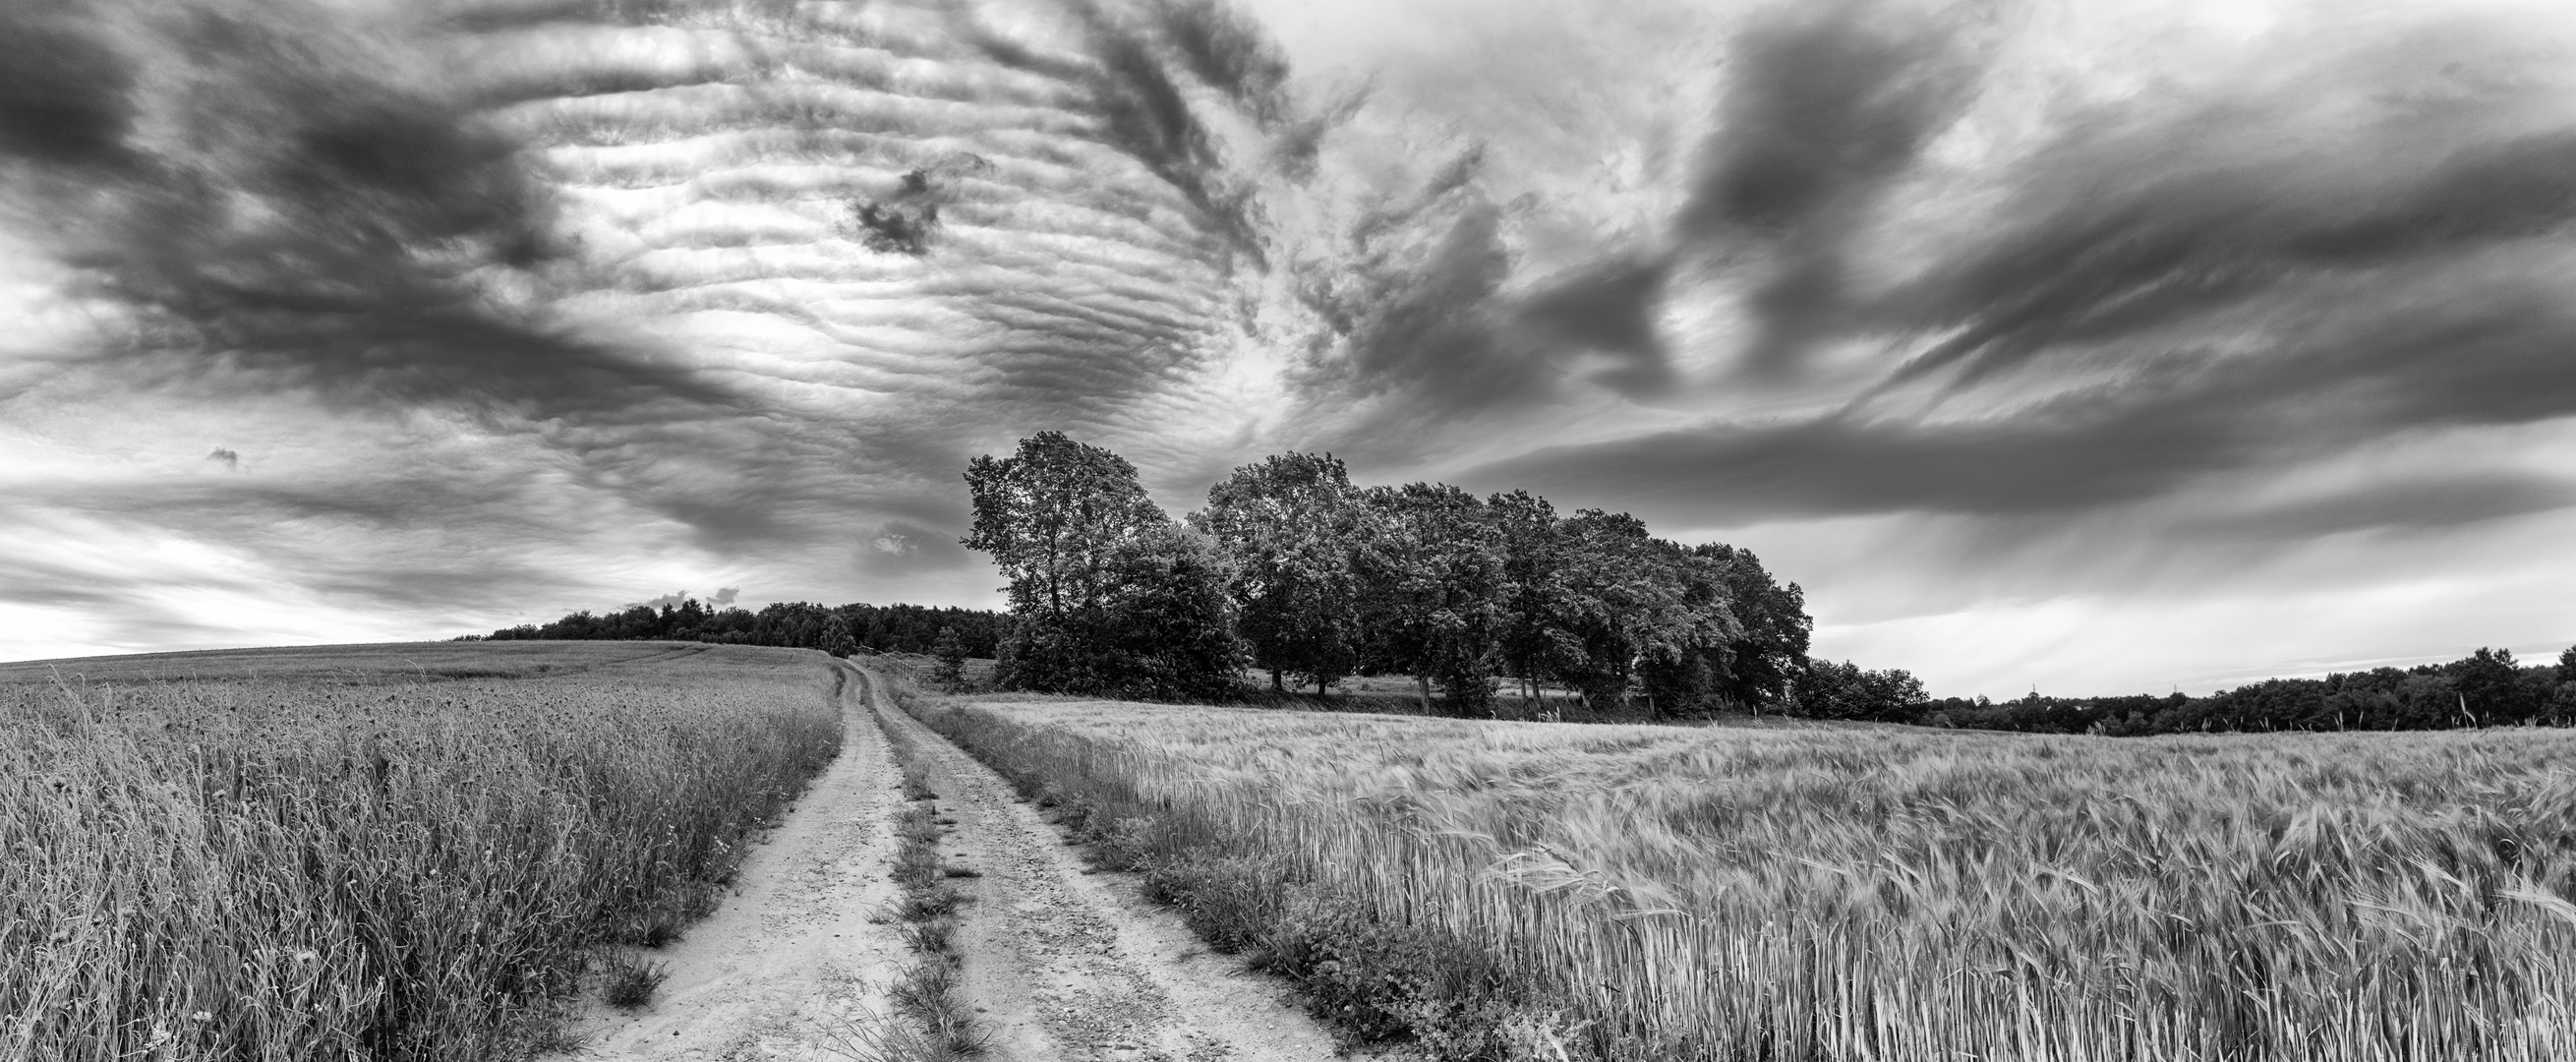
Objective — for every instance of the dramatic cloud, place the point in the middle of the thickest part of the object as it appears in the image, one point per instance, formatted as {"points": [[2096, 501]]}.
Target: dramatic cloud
{"points": [[1827, 106], [265, 187], [1989, 322], [716, 281], [2358, 244]]}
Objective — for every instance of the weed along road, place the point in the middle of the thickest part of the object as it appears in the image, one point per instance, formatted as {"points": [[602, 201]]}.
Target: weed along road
{"points": [[795, 964], [1045, 959], [1060, 962]]}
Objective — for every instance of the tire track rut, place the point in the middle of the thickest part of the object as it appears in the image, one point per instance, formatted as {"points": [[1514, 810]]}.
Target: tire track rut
{"points": [[793, 957], [1067, 963]]}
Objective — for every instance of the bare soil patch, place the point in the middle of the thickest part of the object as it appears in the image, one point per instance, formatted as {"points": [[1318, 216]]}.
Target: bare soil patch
{"points": [[1068, 963], [798, 957]]}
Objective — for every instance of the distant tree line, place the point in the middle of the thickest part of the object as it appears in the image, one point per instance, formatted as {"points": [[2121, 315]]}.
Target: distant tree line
{"points": [[839, 630], [1293, 570], [2485, 688]]}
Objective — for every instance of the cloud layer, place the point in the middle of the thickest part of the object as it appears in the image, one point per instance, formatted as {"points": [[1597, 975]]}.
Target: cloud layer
{"points": [[2311, 248], [486, 310]]}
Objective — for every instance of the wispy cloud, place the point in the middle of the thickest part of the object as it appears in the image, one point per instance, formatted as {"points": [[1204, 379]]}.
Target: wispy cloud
{"points": [[2326, 243], [528, 306], [612, 264]]}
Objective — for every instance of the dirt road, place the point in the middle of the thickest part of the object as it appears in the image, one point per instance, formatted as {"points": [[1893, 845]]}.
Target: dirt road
{"points": [[787, 964], [1074, 965], [1062, 964]]}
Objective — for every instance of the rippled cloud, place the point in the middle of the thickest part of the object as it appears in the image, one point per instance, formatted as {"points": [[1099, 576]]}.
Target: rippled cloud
{"points": [[478, 311]]}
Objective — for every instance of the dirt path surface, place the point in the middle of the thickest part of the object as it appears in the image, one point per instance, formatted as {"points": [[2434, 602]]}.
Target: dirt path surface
{"points": [[787, 962], [1064, 963]]}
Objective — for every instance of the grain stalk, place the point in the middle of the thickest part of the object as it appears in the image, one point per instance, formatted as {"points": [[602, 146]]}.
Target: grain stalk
{"points": [[1717, 895], [370, 865]]}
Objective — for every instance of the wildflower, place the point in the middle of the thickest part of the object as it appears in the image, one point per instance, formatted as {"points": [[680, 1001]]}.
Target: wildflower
{"points": [[203, 1015]]}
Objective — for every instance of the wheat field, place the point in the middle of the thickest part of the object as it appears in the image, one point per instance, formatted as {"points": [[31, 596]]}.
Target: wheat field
{"points": [[1862, 893], [400, 852]]}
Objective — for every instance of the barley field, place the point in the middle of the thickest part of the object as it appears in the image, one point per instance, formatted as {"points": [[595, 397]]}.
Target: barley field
{"points": [[1498, 890], [381, 852]]}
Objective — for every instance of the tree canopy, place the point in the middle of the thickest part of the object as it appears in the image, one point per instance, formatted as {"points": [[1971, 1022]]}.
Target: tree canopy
{"points": [[795, 624], [1317, 579], [1107, 594], [2485, 688], [1292, 568], [1290, 521]]}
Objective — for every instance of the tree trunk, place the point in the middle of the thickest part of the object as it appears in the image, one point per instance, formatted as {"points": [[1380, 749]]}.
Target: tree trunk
{"points": [[1275, 685], [1424, 682]]}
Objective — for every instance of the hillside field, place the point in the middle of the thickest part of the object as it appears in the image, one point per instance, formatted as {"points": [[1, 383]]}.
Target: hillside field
{"points": [[398, 852], [1527, 890]]}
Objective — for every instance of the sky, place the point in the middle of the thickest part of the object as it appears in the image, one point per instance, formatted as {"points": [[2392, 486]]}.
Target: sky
{"points": [[2085, 347]]}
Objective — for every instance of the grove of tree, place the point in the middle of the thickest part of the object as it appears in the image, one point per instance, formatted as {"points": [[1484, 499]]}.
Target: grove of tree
{"points": [[1294, 570], [2488, 687], [794, 624]]}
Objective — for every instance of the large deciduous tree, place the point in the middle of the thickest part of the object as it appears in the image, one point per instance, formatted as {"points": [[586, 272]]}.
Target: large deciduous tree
{"points": [[1051, 515], [1829, 690], [1290, 522], [1110, 597], [1431, 565], [2490, 687], [1631, 601], [1770, 653], [1535, 645], [1168, 633]]}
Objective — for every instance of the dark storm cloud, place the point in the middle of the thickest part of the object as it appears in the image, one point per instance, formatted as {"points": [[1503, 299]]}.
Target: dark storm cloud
{"points": [[2165, 218], [1136, 57], [347, 210], [65, 93], [907, 221], [1232, 54], [1611, 308], [1413, 309], [1418, 308], [433, 545], [1823, 104], [1833, 466], [1825, 108], [415, 498], [2453, 351], [2172, 288], [2450, 501], [261, 188]]}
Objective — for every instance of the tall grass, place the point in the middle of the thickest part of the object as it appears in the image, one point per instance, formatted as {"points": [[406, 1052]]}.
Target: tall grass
{"points": [[1638, 892], [385, 870], [932, 1022]]}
